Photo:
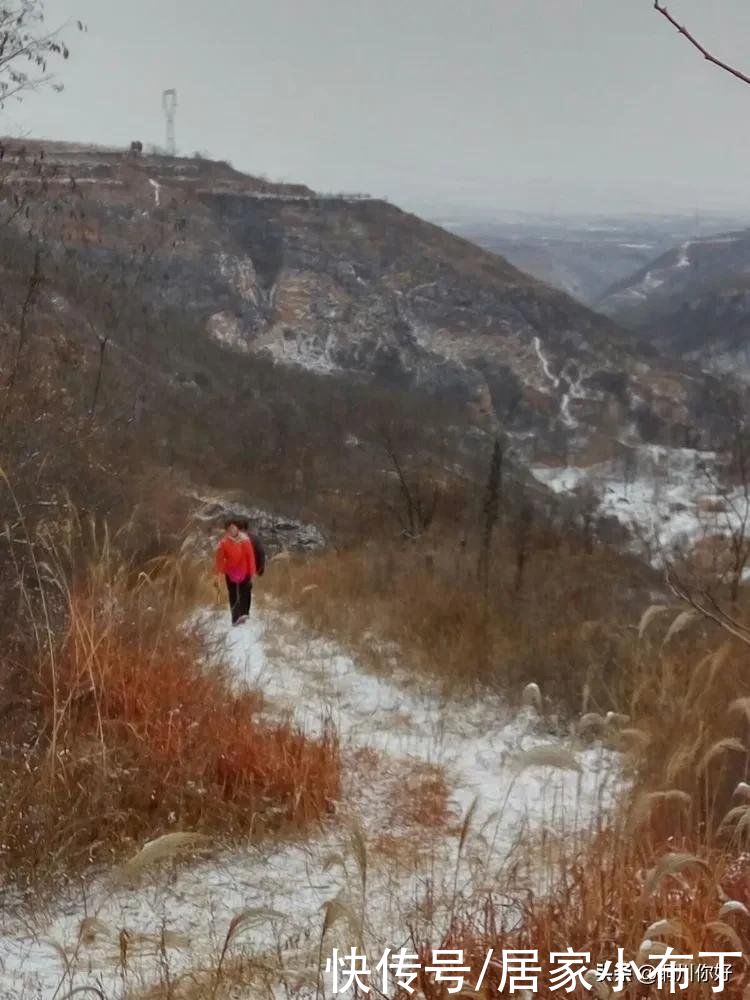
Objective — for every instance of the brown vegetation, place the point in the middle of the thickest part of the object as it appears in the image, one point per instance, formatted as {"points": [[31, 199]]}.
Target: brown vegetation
{"points": [[115, 726], [671, 868], [564, 627], [118, 728]]}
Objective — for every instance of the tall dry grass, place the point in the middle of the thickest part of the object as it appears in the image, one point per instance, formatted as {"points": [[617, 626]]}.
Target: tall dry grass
{"points": [[118, 729], [672, 867], [567, 630]]}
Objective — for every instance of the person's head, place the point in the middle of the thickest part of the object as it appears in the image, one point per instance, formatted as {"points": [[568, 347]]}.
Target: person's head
{"points": [[231, 527], [243, 524]]}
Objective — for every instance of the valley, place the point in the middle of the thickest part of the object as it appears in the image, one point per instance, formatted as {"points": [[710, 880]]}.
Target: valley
{"points": [[359, 289], [690, 302], [374, 501], [585, 256], [465, 674]]}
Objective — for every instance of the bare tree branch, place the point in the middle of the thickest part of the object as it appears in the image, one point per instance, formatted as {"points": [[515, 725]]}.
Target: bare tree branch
{"points": [[490, 510], [706, 606], [103, 342], [35, 280], [26, 48], [697, 45]]}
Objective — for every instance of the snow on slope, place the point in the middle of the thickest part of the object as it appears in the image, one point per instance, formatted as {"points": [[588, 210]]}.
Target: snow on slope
{"points": [[573, 388], [664, 498], [389, 727], [668, 269], [683, 259]]}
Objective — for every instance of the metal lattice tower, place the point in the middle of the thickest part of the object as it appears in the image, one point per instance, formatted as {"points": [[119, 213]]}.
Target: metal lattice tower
{"points": [[169, 103]]}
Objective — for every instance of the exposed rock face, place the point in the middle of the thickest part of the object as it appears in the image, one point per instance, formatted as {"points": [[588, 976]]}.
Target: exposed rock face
{"points": [[357, 287], [226, 329], [278, 533]]}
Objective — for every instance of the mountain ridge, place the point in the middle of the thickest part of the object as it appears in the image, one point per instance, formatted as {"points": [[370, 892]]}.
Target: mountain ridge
{"points": [[692, 302], [354, 285]]}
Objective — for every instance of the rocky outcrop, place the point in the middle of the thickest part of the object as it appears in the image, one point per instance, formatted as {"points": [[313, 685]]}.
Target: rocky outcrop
{"points": [[279, 533]]}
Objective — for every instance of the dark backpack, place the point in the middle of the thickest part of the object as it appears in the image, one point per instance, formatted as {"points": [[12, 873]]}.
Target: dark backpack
{"points": [[260, 554]]}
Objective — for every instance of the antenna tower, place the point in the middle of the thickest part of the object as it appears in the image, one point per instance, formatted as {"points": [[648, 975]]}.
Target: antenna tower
{"points": [[169, 104]]}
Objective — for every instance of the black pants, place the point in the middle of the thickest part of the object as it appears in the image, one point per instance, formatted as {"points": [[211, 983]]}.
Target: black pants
{"points": [[240, 596]]}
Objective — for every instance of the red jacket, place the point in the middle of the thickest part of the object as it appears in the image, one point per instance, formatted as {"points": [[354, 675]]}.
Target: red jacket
{"points": [[235, 558]]}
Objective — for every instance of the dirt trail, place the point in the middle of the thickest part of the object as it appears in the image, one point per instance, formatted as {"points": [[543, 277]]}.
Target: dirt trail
{"points": [[401, 747]]}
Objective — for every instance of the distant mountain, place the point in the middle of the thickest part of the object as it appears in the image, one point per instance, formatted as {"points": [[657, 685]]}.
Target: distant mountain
{"points": [[692, 302], [582, 256]]}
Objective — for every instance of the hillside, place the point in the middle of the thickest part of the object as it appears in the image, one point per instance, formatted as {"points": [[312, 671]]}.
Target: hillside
{"points": [[451, 679], [350, 286], [692, 302]]}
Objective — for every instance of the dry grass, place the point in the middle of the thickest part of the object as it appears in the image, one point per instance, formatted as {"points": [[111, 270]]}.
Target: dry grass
{"points": [[420, 798], [133, 733], [615, 895], [564, 631], [673, 868], [664, 871], [688, 707]]}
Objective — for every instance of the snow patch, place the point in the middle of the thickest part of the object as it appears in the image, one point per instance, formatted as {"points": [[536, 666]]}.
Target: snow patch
{"points": [[710, 240], [573, 390], [549, 374], [683, 259], [304, 350], [226, 329], [661, 495]]}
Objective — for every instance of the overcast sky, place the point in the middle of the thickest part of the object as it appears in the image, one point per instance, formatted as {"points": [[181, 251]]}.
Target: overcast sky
{"points": [[549, 105]]}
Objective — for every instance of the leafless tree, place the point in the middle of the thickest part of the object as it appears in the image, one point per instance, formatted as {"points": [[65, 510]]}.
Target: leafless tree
{"points": [[705, 604], [715, 592], [733, 512], [522, 542], [490, 511], [27, 48], [35, 280], [586, 508], [418, 497], [629, 469], [103, 342]]}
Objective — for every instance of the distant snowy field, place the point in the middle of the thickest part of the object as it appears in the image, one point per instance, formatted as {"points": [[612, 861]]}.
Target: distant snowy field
{"points": [[662, 496]]}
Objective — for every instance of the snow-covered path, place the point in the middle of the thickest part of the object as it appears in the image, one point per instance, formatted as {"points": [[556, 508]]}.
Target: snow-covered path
{"points": [[475, 743], [393, 735]]}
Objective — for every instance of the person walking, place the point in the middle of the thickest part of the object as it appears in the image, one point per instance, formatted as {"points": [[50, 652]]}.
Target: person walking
{"points": [[235, 561]]}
